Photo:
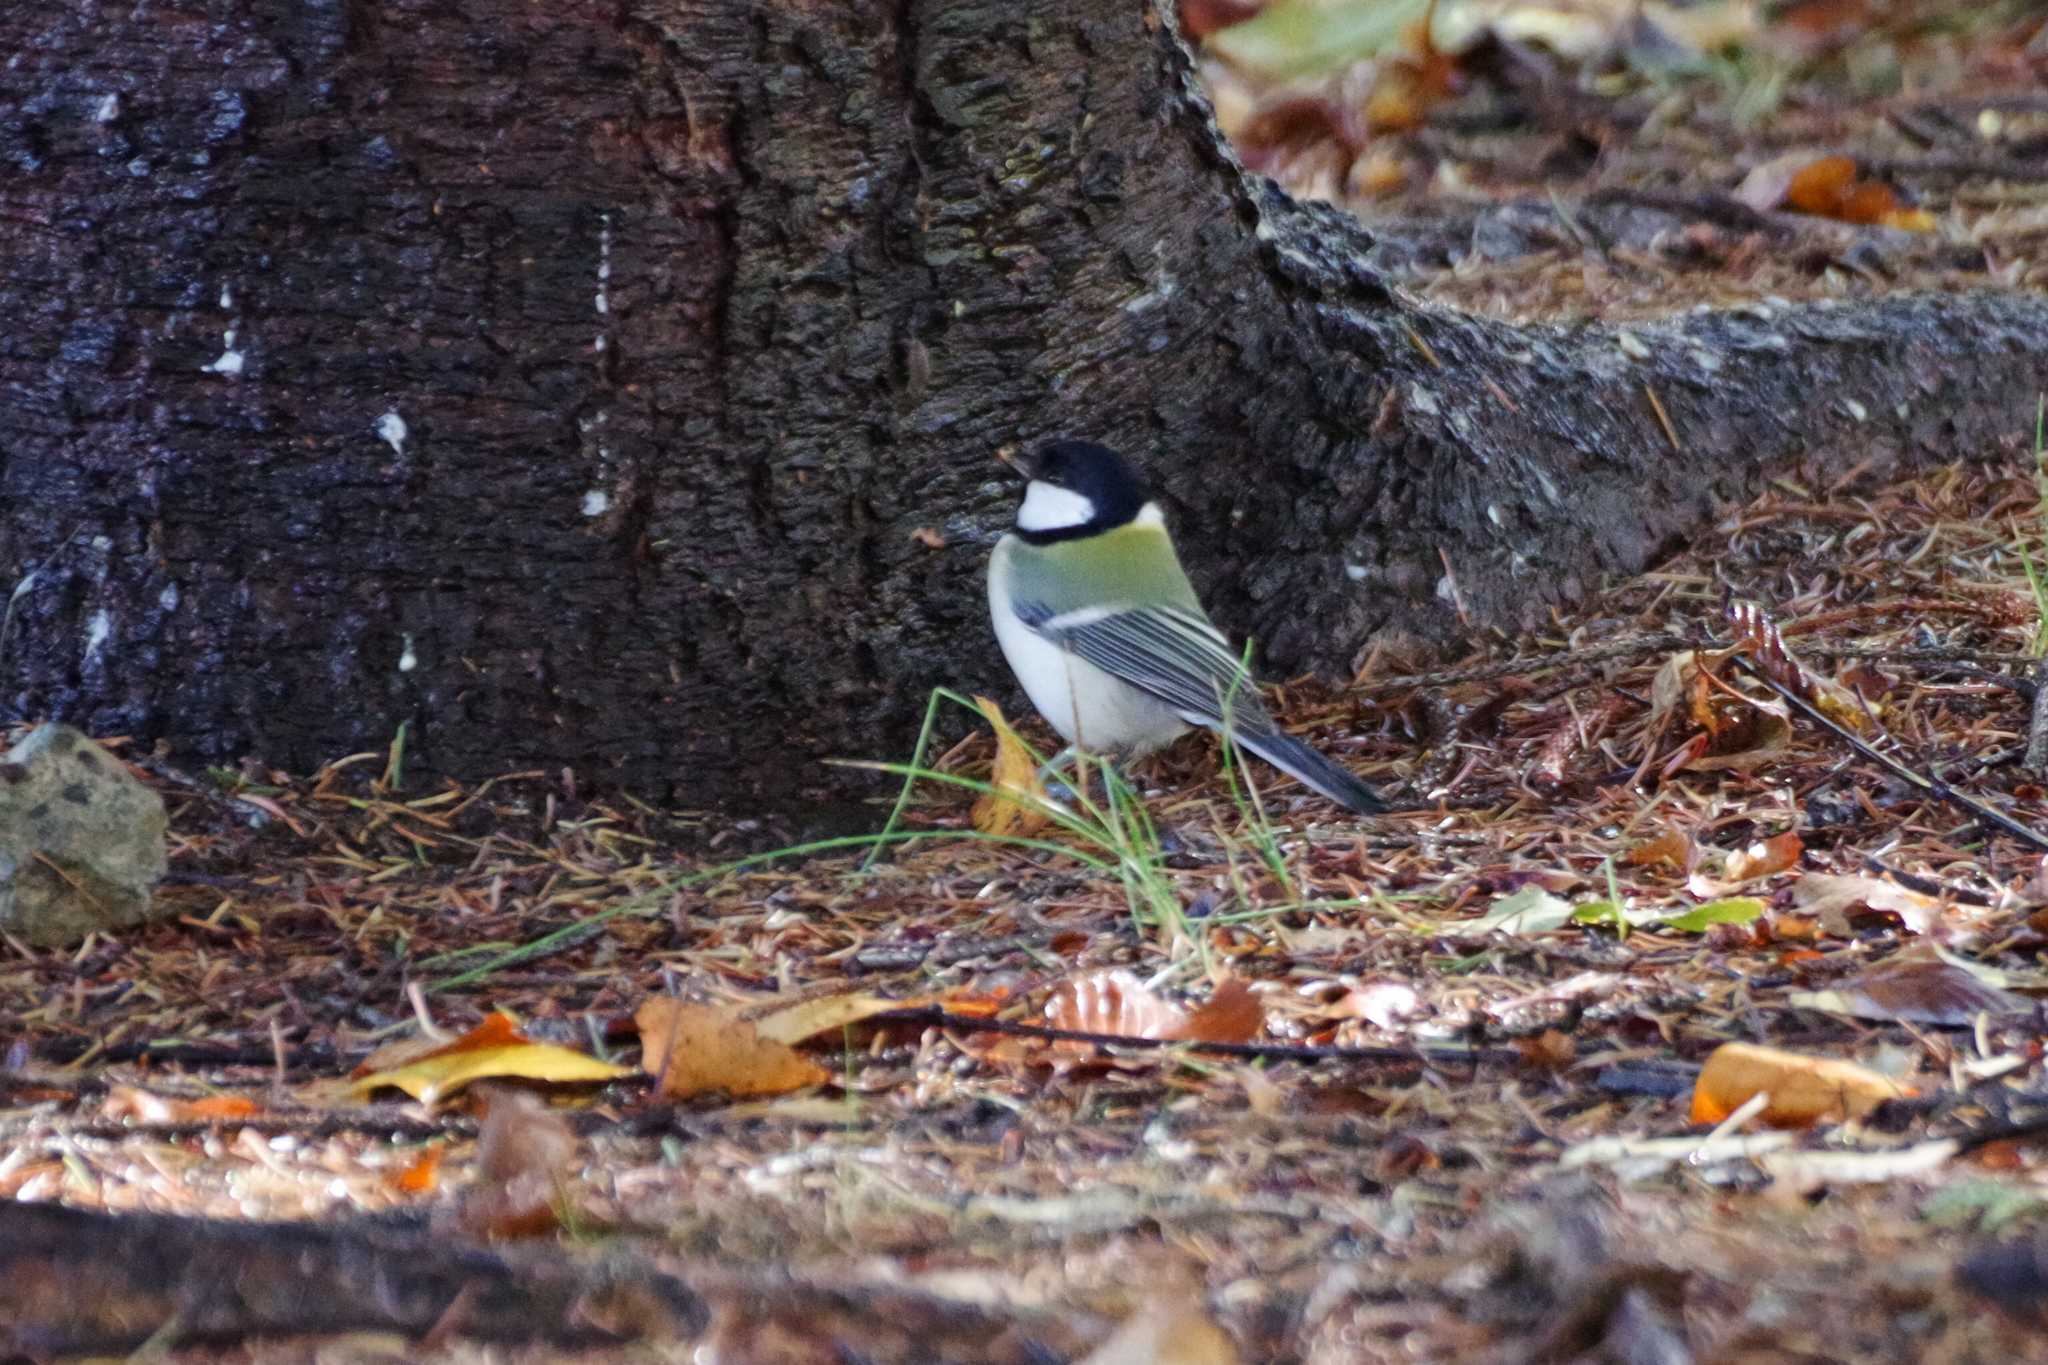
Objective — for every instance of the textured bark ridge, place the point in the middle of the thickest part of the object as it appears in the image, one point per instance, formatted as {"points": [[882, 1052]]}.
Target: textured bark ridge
{"points": [[614, 385]]}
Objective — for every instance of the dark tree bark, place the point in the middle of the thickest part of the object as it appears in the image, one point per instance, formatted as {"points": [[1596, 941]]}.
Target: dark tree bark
{"points": [[583, 383]]}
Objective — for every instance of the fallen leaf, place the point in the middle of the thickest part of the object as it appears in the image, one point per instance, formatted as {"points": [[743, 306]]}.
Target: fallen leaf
{"points": [[808, 1018], [1294, 38], [1016, 808], [1828, 187], [1917, 989], [420, 1175], [1741, 732], [1551, 1050], [1732, 910], [1672, 847], [526, 1154], [1383, 1004], [691, 1049], [1531, 910], [1115, 1002], [1765, 857], [494, 1048], [1829, 897], [1231, 1014], [1764, 643], [1802, 1090], [124, 1102]]}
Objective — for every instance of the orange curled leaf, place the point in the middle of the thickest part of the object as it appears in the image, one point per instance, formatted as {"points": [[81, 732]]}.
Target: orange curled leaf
{"points": [[1820, 185], [421, 1175], [1802, 1090]]}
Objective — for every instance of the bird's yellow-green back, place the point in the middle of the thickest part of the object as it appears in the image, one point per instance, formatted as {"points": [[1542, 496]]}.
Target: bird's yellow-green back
{"points": [[1133, 564]]}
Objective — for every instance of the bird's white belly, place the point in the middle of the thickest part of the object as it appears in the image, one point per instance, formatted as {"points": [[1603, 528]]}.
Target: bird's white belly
{"points": [[1090, 708]]}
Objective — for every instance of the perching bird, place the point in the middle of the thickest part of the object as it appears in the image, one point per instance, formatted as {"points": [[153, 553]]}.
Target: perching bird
{"points": [[1101, 625]]}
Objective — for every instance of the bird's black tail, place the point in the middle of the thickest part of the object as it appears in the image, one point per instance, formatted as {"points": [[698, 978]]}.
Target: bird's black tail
{"points": [[1291, 756]]}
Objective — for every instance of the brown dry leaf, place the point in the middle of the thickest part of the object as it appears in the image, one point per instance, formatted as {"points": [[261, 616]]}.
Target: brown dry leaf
{"points": [[1765, 857], [1115, 1002], [1673, 847], [494, 1048], [421, 1175], [526, 1155], [1802, 1090], [1551, 1050], [1171, 1330], [1828, 187], [1764, 642], [1016, 816], [1383, 1004], [130, 1102], [1920, 988], [691, 1048], [1829, 897], [1742, 732]]}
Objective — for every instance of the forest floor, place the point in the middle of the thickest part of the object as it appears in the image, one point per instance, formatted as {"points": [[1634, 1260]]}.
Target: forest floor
{"points": [[1426, 1086], [1439, 1105]]}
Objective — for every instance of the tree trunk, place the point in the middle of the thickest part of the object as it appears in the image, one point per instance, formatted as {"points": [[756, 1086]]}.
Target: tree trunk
{"points": [[615, 384]]}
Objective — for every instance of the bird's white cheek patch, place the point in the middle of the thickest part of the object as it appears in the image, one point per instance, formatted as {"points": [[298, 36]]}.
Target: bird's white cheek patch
{"points": [[1047, 508]]}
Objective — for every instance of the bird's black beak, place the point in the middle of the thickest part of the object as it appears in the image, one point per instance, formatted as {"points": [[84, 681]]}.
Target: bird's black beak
{"points": [[1019, 463]]}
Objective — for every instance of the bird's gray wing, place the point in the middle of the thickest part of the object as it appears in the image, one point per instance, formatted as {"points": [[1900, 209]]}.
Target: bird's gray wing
{"points": [[1174, 654], [1177, 656]]}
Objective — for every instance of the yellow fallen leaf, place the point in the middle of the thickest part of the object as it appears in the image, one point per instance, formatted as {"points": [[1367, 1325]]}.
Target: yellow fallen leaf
{"points": [[1802, 1090], [690, 1048], [1016, 771], [822, 1014], [494, 1048]]}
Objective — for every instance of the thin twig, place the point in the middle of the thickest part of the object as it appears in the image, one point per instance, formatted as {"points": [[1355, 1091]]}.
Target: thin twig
{"points": [[1933, 786], [934, 1016]]}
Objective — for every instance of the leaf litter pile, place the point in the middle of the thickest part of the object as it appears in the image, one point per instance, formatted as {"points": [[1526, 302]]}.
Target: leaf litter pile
{"points": [[1631, 157], [1663, 1022]]}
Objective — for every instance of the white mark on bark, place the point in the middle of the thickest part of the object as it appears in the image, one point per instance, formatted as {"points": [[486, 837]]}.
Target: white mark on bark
{"points": [[229, 361], [98, 631], [109, 110], [407, 660], [597, 501], [391, 429]]}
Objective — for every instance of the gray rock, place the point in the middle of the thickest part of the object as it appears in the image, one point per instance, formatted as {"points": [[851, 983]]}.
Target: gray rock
{"points": [[81, 841]]}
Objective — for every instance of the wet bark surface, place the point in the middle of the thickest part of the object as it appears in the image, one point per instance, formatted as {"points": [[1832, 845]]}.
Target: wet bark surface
{"points": [[615, 387]]}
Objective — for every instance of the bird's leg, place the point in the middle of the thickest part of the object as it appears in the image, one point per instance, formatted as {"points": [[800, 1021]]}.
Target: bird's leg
{"points": [[1056, 762], [1050, 778]]}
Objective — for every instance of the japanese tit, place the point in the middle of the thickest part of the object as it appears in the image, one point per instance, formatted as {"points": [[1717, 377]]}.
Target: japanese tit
{"points": [[1100, 624]]}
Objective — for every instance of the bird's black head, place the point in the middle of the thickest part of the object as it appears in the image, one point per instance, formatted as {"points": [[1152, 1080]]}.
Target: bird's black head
{"points": [[1077, 488]]}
